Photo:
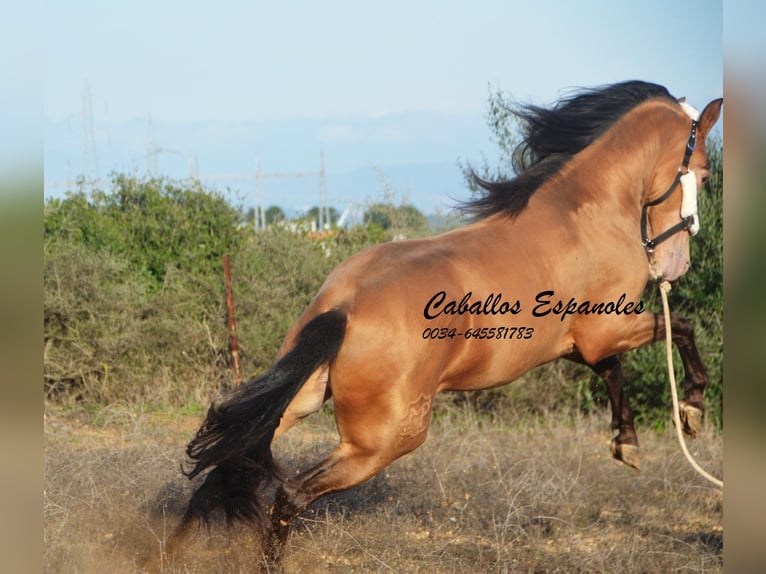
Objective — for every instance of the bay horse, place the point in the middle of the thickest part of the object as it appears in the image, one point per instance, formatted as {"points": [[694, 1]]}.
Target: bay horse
{"points": [[553, 265]]}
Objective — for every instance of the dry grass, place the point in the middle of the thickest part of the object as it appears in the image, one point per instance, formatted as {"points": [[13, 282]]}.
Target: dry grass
{"points": [[481, 495]]}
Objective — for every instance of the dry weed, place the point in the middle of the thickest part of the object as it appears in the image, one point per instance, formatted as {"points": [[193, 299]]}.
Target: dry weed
{"points": [[533, 495]]}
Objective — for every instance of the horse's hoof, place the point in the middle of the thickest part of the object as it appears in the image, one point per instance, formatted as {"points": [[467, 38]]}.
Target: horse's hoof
{"points": [[691, 419], [626, 453]]}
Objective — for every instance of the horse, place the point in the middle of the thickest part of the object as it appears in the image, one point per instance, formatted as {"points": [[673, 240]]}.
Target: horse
{"points": [[553, 265]]}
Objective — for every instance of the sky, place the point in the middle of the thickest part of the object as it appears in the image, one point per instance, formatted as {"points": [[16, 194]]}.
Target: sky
{"points": [[186, 60], [264, 61]]}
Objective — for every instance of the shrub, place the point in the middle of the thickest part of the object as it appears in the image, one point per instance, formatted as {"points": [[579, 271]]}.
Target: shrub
{"points": [[134, 306], [152, 223]]}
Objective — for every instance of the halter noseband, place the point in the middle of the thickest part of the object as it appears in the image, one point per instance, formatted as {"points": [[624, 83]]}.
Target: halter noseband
{"points": [[687, 222]]}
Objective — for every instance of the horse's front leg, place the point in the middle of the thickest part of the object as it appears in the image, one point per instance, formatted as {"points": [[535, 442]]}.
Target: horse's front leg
{"points": [[696, 379], [625, 443], [652, 329]]}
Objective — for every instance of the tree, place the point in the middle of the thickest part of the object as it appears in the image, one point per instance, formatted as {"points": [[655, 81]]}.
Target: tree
{"points": [[274, 214], [152, 223], [379, 214], [505, 135], [397, 219], [331, 212]]}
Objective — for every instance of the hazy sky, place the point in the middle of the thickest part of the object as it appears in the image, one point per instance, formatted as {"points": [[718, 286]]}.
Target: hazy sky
{"points": [[183, 60], [218, 66]]}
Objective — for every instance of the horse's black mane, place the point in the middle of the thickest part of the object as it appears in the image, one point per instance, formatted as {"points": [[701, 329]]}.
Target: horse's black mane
{"points": [[552, 136]]}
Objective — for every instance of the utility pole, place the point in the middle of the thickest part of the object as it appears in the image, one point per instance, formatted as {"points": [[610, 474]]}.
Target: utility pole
{"points": [[260, 215], [324, 215]]}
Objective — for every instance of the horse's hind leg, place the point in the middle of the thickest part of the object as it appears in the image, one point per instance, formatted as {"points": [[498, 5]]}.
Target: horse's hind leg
{"points": [[308, 400], [346, 467], [373, 439]]}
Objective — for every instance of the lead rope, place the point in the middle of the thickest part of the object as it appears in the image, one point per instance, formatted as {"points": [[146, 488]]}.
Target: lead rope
{"points": [[664, 288]]}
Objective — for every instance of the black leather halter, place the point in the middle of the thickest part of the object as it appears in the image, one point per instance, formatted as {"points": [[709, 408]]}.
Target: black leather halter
{"points": [[686, 222]]}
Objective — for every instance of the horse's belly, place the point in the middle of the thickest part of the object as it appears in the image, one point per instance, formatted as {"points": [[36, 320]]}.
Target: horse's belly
{"points": [[496, 362]]}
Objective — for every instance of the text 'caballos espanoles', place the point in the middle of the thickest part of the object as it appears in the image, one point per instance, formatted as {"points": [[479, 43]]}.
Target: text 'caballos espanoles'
{"points": [[545, 303]]}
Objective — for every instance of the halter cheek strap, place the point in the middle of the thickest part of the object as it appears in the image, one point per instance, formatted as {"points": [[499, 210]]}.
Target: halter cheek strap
{"points": [[688, 181]]}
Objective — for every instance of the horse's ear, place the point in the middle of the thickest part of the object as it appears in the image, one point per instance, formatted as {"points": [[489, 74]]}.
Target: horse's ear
{"points": [[682, 99], [709, 115]]}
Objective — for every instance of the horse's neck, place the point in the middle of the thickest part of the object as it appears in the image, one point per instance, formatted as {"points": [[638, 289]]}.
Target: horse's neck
{"points": [[614, 173]]}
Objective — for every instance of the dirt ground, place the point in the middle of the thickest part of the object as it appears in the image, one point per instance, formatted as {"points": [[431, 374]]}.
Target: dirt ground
{"points": [[481, 495]]}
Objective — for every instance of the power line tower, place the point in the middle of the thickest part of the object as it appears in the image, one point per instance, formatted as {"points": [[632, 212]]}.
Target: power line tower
{"points": [[260, 214], [259, 219], [154, 149], [324, 214]]}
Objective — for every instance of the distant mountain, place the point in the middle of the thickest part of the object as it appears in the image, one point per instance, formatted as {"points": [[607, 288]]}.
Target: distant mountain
{"points": [[413, 155]]}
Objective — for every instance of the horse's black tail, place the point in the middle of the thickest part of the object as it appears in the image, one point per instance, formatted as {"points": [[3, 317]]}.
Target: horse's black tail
{"points": [[235, 439]]}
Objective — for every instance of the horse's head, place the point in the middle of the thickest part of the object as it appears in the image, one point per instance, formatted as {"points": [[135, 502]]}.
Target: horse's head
{"points": [[669, 215]]}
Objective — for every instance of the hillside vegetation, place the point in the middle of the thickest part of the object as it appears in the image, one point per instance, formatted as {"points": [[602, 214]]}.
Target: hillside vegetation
{"points": [[135, 311]]}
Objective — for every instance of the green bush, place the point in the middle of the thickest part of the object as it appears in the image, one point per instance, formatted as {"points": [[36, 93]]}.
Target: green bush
{"points": [[133, 307], [134, 304], [111, 336], [276, 274], [152, 223]]}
